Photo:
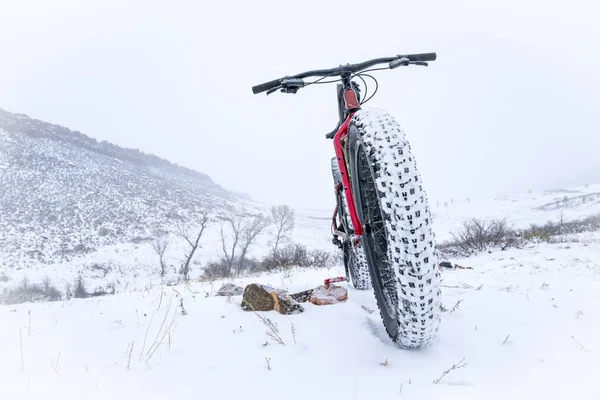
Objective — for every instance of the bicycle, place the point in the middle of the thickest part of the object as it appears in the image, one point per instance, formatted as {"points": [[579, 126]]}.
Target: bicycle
{"points": [[382, 220]]}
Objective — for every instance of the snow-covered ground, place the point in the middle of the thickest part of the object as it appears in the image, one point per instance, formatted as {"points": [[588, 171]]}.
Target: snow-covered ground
{"points": [[527, 325], [526, 322]]}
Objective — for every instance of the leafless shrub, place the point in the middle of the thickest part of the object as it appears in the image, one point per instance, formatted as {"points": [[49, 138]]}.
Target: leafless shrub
{"points": [[549, 231], [282, 218], [217, 270], [231, 232], [31, 292], [159, 243], [192, 238], [100, 270], [298, 255], [239, 232], [80, 291], [252, 228], [478, 235], [294, 255]]}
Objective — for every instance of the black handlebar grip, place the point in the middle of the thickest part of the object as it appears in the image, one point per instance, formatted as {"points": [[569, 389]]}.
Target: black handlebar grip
{"points": [[263, 87], [421, 57]]}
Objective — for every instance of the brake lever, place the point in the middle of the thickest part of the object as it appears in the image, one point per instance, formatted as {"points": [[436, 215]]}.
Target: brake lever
{"points": [[273, 90], [292, 85], [404, 62], [399, 62]]}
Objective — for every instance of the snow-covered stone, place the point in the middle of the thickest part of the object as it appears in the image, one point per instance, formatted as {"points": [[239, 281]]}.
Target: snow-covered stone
{"points": [[258, 297], [229, 289], [328, 294]]}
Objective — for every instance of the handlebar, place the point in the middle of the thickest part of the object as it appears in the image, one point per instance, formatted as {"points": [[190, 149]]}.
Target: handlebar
{"points": [[350, 68], [263, 87]]}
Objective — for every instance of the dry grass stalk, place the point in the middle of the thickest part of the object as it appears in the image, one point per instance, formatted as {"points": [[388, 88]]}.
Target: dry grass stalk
{"points": [[55, 365], [21, 347], [129, 356], [455, 307], [161, 327], [157, 344], [294, 332], [460, 364], [579, 344]]}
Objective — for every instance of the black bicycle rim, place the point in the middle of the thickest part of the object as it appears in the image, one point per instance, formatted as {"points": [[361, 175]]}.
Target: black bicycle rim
{"points": [[375, 244]]}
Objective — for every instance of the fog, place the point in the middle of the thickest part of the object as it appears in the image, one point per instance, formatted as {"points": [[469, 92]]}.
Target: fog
{"points": [[511, 104]]}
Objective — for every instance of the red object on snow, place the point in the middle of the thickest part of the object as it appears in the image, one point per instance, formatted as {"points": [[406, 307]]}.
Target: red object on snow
{"points": [[333, 280], [328, 294]]}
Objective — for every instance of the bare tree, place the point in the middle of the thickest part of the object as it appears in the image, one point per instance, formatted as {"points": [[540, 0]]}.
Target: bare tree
{"points": [[282, 217], [160, 242], [235, 224], [192, 237], [250, 232]]}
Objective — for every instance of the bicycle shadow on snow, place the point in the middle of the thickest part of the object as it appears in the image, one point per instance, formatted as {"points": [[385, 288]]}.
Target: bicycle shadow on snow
{"points": [[376, 328]]}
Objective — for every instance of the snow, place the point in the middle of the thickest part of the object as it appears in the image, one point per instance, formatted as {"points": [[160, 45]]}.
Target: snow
{"points": [[218, 351], [525, 321]]}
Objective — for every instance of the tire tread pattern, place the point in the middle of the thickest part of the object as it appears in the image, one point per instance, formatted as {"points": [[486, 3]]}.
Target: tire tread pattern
{"points": [[407, 216]]}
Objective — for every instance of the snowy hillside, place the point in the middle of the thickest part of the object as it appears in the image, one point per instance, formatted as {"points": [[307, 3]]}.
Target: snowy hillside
{"points": [[64, 195], [519, 210]]}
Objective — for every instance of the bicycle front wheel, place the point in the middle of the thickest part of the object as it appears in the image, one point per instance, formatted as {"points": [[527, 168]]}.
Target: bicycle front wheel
{"points": [[399, 243]]}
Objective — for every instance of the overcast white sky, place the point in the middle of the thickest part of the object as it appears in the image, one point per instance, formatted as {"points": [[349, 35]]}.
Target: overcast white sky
{"points": [[511, 104]]}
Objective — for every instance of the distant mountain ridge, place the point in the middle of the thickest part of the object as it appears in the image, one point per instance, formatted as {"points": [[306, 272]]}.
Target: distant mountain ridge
{"points": [[21, 123], [63, 193]]}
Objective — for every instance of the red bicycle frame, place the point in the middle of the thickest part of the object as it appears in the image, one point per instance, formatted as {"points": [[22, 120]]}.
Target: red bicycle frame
{"points": [[351, 105]]}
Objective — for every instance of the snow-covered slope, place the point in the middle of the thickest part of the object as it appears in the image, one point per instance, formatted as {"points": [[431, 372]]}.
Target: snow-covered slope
{"points": [[64, 195], [519, 210], [524, 322]]}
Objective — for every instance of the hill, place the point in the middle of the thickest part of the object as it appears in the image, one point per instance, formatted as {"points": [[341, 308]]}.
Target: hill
{"points": [[64, 194]]}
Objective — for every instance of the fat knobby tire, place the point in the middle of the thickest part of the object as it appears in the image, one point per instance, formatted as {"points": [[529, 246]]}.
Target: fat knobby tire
{"points": [[399, 243], [356, 262], [354, 256]]}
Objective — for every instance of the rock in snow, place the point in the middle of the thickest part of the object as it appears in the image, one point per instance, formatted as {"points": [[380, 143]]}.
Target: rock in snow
{"points": [[258, 297], [229, 289], [328, 294], [302, 297]]}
